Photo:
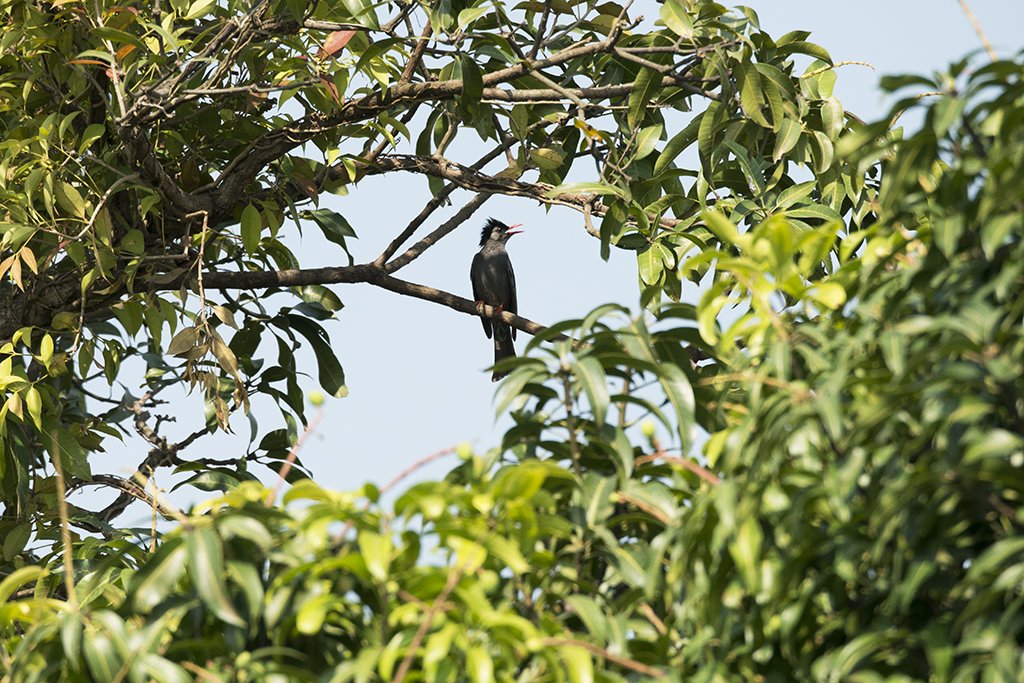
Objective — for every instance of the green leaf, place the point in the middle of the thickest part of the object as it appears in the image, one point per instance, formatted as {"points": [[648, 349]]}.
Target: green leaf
{"points": [[746, 552], [814, 211], [788, 136], [318, 294], [479, 665], [34, 403], [646, 139], [752, 96], [794, 194], [678, 143], [679, 392], [252, 225], [512, 387], [93, 132], [676, 19], [100, 656], [547, 158], [70, 199], [152, 667], [15, 540], [832, 116], [71, 630], [721, 226], [645, 87], [363, 11], [706, 136], [329, 370], [590, 373], [586, 188], [653, 497], [376, 551], [18, 578], [199, 8], [824, 151], [578, 663], [206, 569], [158, 576], [60, 442], [471, 14], [472, 86], [309, 619], [650, 265], [751, 169], [596, 493], [334, 227], [805, 48], [593, 618], [831, 295]]}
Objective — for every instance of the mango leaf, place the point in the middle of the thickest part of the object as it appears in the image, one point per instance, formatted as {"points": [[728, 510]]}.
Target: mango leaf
{"points": [[206, 569], [159, 576], [330, 373], [376, 551], [251, 226], [674, 16], [590, 374], [472, 87], [586, 188], [645, 87], [334, 227], [646, 139], [678, 143], [788, 136]]}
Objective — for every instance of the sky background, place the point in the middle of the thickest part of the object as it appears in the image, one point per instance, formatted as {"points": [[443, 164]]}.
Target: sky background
{"points": [[416, 370]]}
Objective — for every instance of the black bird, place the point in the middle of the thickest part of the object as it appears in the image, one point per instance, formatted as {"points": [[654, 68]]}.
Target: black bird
{"points": [[494, 284]]}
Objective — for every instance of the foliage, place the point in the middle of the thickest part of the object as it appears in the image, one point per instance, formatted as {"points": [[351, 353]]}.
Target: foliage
{"points": [[155, 159], [841, 498]]}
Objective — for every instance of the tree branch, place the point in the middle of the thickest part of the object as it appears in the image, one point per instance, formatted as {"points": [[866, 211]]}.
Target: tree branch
{"points": [[277, 143], [364, 273], [430, 240], [471, 179]]}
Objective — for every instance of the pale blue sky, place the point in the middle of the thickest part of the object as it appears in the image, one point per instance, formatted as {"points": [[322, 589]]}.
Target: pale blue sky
{"points": [[416, 370]]}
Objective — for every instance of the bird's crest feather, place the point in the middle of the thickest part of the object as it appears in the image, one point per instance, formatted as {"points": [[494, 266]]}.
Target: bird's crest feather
{"points": [[490, 225]]}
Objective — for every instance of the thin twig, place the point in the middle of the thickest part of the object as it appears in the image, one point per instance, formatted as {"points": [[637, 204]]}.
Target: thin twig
{"points": [[463, 215], [687, 463], [454, 575], [292, 454], [417, 54], [397, 479], [411, 469], [830, 67], [976, 25], [625, 662], [65, 529]]}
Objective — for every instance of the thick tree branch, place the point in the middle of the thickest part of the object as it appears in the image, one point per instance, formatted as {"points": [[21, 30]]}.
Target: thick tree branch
{"points": [[276, 144], [367, 273]]}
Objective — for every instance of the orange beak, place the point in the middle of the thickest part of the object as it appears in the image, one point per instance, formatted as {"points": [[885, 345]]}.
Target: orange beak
{"points": [[511, 232]]}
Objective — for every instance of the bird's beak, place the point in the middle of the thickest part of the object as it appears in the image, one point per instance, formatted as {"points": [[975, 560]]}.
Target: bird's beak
{"points": [[510, 230]]}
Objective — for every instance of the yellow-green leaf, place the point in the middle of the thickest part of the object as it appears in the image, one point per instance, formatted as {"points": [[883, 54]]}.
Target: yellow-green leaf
{"points": [[252, 225]]}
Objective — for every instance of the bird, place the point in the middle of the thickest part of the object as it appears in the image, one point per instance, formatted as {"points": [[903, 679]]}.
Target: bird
{"points": [[494, 284]]}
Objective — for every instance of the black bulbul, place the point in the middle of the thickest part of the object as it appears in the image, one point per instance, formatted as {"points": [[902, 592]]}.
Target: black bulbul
{"points": [[494, 284]]}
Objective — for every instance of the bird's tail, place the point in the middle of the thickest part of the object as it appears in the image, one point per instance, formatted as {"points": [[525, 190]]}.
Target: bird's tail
{"points": [[503, 348]]}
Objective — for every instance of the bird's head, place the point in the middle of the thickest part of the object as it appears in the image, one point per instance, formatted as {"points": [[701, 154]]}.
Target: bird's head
{"points": [[496, 231]]}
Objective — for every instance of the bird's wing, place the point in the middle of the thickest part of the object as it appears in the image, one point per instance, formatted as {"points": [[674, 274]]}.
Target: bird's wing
{"points": [[476, 273], [513, 303]]}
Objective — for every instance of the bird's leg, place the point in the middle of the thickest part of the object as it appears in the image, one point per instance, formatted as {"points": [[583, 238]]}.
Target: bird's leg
{"points": [[498, 310], [480, 307]]}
